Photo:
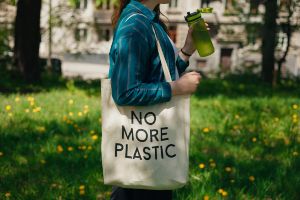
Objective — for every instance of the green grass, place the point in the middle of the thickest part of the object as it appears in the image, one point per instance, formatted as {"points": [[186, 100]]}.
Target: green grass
{"points": [[240, 128]]}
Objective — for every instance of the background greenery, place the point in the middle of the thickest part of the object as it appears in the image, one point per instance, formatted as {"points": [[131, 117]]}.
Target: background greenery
{"points": [[244, 140]]}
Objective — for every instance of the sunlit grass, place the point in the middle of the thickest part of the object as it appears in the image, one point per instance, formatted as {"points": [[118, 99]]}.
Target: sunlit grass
{"points": [[244, 142]]}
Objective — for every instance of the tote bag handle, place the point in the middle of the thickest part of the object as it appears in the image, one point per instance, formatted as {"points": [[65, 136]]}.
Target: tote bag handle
{"points": [[160, 52]]}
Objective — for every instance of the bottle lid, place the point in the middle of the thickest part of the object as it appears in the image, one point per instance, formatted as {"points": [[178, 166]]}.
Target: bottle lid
{"points": [[196, 15]]}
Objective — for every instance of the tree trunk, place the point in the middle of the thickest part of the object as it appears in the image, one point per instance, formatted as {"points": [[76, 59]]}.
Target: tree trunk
{"points": [[269, 41], [27, 39]]}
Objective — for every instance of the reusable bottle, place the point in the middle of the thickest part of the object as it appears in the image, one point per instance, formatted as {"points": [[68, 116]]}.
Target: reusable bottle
{"points": [[200, 35]]}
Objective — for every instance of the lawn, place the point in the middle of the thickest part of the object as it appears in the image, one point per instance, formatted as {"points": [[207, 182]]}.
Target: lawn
{"points": [[245, 141]]}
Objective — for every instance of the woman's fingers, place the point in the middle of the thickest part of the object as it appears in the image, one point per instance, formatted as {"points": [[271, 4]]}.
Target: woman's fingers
{"points": [[207, 27]]}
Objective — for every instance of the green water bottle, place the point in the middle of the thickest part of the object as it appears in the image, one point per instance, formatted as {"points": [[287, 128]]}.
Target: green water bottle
{"points": [[200, 35]]}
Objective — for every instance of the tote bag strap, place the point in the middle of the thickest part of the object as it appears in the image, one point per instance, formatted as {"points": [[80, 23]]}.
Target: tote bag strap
{"points": [[160, 52]]}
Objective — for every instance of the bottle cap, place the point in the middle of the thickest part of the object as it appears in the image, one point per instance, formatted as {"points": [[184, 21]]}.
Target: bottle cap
{"points": [[196, 15]]}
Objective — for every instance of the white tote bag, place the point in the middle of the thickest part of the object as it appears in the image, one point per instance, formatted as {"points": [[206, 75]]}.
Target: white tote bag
{"points": [[145, 147]]}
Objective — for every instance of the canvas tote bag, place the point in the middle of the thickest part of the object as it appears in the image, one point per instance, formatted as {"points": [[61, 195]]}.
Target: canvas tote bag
{"points": [[145, 147]]}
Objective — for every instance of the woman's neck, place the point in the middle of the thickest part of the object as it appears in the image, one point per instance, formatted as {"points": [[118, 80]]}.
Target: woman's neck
{"points": [[150, 4]]}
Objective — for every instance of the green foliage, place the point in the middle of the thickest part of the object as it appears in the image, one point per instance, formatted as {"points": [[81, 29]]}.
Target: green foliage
{"points": [[244, 141]]}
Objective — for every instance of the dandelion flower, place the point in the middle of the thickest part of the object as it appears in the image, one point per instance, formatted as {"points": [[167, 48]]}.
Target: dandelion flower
{"points": [[86, 107], [201, 165], [81, 192], [89, 147], [17, 99], [81, 187], [71, 101], [8, 107], [95, 137], [254, 139], [213, 164], [228, 169], [59, 149], [295, 153], [70, 148], [27, 110], [205, 130], [10, 114], [7, 194], [236, 116], [79, 114], [224, 193], [295, 116], [295, 106], [295, 120], [70, 113], [251, 178], [220, 190], [206, 197], [276, 119]]}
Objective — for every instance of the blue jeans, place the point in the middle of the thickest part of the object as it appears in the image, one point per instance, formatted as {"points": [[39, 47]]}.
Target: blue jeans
{"points": [[119, 193]]}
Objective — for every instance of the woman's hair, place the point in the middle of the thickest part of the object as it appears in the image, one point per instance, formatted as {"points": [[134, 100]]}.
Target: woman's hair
{"points": [[121, 4]]}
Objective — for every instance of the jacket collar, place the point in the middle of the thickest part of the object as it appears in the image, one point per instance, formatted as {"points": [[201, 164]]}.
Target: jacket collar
{"points": [[150, 14]]}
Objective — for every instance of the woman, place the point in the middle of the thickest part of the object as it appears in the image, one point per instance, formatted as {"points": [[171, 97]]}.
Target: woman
{"points": [[136, 72]]}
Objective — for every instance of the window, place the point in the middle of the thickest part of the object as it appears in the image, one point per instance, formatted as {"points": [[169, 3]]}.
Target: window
{"points": [[225, 59], [105, 5], [173, 33], [173, 4], [81, 4], [80, 34], [104, 34]]}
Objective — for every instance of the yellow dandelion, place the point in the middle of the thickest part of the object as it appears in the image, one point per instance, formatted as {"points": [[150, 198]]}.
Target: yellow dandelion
{"points": [[228, 169], [201, 165], [295, 120], [83, 147], [205, 130], [65, 118], [95, 137], [43, 161], [206, 197], [213, 164], [236, 116], [254, 139], [295, 116], [79, 114], [30, 98], [81, 192], [85, 111], [70, 148], [224, 193], [220, 190], [276, 119], [17, 99], [8, 107], [7, 194], [81, 187], [1, 153], [71, 101], [53, 185], [10, 114], [295, 153], [295, 106], [27, 110], [251, 178], [59, 149], [70, 113], [86, 107], [41, 129], [89, 147], [32, 103], [37, 109]]}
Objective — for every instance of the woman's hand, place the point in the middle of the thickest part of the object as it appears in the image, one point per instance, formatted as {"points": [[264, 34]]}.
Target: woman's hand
{"points": [[189, 47], [186, 84]]}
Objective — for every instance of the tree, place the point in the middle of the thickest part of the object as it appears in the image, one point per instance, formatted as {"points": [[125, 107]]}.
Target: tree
{"points": [[27, 39], [269, 40]]}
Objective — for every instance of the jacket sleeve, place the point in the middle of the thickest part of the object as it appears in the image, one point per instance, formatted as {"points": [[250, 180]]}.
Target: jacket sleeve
{"points": [[132, 54], [181, 65]]}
